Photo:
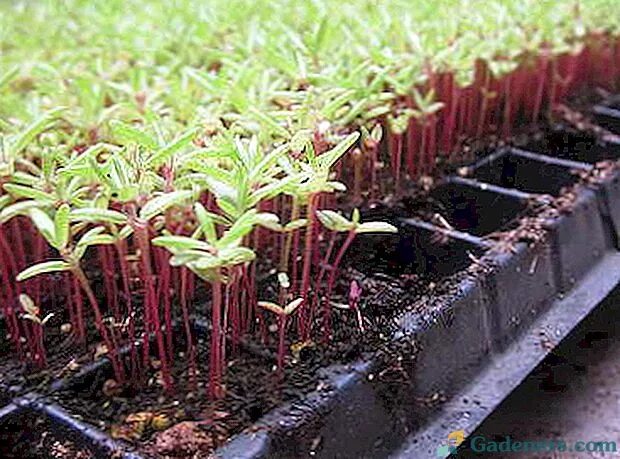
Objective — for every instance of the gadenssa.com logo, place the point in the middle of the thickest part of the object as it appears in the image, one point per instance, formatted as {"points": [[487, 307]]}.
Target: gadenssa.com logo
{"points": [[482, 444]]}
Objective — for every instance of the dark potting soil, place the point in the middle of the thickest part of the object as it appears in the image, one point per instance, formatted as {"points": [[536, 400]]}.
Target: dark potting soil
{"points": [[64, 354], [65, 357], [189, 423], [29, 436]]}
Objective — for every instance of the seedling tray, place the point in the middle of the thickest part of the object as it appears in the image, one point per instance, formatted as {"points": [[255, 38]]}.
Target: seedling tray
{"points": [[491, 320], [608, 115], [405, 398], [32, 426]]}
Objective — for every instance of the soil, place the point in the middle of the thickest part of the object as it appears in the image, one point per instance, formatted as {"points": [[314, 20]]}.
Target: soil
{"points": [[65, 355], [26, 436], [189, 423], [66, 359]]}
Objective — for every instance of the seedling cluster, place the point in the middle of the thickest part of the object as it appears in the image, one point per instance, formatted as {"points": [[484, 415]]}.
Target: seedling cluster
{"points": [[155, 166]]}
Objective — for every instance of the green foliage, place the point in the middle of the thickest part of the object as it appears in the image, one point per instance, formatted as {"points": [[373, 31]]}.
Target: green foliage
{"points": [[43, 268], [158, 80], [119, 117], [335, 221]]}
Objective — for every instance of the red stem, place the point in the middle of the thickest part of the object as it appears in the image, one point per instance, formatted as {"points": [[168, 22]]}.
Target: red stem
{"points": [[164, 293], [119, 371], [303, 327], [121, 250], [191, 352], [282, 321], [331, 280], [542, 74], [215, 368], [151, 303]]}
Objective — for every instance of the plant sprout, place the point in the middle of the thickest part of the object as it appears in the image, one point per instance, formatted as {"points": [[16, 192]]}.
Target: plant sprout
{"points": [[57, 232], [213, 259], [355, 294], [33, 314], [283, 313], [335, 222], [220, 157]]}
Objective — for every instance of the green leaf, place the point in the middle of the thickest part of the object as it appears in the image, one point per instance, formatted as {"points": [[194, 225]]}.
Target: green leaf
{"points": [[90, 235], [205, 262], [31, 317], [273, 189], [292, 306], [22, 191], [269, 160], [164, 154], [330, 108], [206, 221], [329, 158], [8, 76], [228, 207], [186, 257], [28, 305], [90, 238], [240, 228], [127, 193], [129, 134], [103, 239], [181, 243], [377, 133], [4, 201], [43, 268], [163, 202], [61, 226], [295, 224], [221, 189], [24, 178], [376, 227], [357, 109], [125, 232], [95, 215], [336, 186], [273, 307], [34, 129], [15, 209], [268, 220], [268, 120], [44, 224], [119, 168], [334, 221], [236, 255]]}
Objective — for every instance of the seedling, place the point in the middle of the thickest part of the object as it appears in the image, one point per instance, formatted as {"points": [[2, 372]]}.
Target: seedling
{"points": [[57, 232], [335, 222], [212, 259], [283, 313], [355, 294], [33, 314]]}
